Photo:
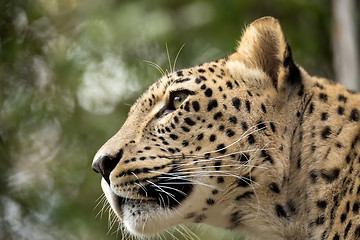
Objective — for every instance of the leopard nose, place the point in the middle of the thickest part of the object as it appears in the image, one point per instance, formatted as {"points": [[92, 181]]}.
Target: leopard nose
{"points": [[105, 164]]}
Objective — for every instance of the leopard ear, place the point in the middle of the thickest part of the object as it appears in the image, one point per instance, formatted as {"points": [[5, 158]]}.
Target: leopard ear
{"points": [[264, 46]]}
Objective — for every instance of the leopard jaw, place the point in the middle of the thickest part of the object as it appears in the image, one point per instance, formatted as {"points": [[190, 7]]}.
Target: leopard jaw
{"points": [[147, 217]]}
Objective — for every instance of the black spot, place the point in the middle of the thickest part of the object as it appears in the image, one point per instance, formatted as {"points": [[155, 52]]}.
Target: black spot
{"points": [[244, 157], [217, 115], [321, 204], [339, 145], [324, 116], [233, 119], [187, 107], [356, 207], [342, 98], [203, 87], [180, 80], [200, 136], [236, 103], [212, 104], [247, 194], [266, 156], [263, 108], [274, 187], [330, 175], [212, 138], [326, 132], [301, 91], [311, 108], [245, 181], [323, 97], [347, 228], [211, 69], [179, 74], [198, 80], [250, 93], [171, 150], [261, 125], [319, 85], [248, 107], [189, 121], [185, 129], [208, 92], [341, 110], [272, 126], [217, 165], [354, 115], [221, 148], [210, 201], [230, 133], [336, 237], [196, 106], [219, 179], [251, 139], [229, 85], [320, 220], [244, 126], [185, 143], [313, 176], [221, 128], [280, 211], [343, 217]]}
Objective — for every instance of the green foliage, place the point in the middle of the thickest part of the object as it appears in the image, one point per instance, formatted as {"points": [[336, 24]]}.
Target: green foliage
{"points": [[69, 70]]}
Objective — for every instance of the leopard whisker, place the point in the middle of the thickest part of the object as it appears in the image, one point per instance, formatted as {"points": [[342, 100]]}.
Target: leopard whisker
{"points": [[140, 185], [184, 194], [177, 56], [156, 66], [190, 232], [168, 55], [219, 173], [163, 191]]}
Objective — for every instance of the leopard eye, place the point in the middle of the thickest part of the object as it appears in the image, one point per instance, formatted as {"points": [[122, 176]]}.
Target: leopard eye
{"points": [[178, 98]]}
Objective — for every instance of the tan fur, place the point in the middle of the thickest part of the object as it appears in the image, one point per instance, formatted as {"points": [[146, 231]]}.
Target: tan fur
{"points": [[268, 150]]}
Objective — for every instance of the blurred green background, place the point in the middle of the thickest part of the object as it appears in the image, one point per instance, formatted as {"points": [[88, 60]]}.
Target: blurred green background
{"points": [[69, 72]]}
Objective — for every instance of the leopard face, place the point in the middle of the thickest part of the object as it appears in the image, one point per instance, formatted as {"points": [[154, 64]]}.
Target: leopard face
{"points": [[222, 143]]}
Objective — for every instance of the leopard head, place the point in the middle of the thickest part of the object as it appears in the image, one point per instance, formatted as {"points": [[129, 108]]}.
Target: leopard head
{"points": [[203, 144]]}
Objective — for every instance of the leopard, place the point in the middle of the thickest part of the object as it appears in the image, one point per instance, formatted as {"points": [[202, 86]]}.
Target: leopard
{"points": [[250, 143]]}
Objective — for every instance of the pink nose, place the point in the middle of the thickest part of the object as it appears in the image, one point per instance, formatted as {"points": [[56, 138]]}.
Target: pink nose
{"points": [[105, 164]]}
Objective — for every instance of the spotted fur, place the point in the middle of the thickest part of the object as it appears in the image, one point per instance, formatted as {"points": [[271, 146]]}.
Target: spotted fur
{"points": [[256, 145]]}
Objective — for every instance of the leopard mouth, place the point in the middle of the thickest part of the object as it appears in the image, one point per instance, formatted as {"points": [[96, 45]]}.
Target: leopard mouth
{"points": [[167, 194]]}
